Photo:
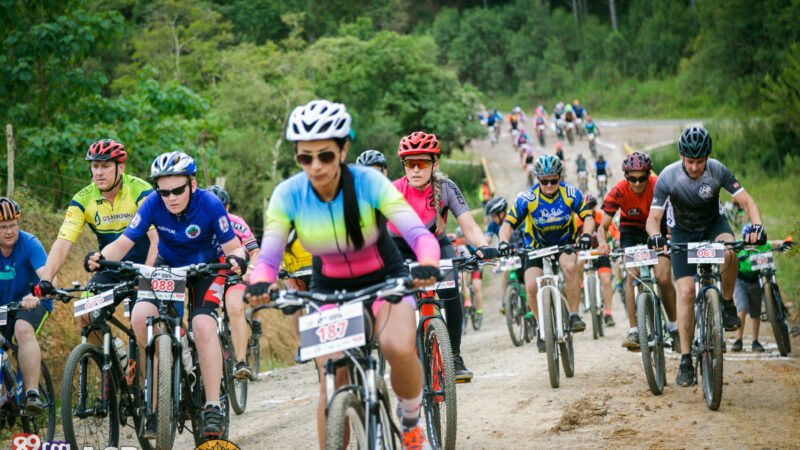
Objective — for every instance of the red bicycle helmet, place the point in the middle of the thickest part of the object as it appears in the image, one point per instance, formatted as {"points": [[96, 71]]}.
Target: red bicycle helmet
{"points": [[637, 161], [418, 142], [107, 150]]}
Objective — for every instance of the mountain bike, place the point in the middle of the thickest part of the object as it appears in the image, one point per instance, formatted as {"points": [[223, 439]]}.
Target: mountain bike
{"points": [[592, 146], [651, 319], [100, 388], [775, 310], [540, 134], [471, 311], [592, 295], [237, 387], [360, 411], [180, 395], [12, 390], [554, 312], [709, 337], [521, 328], [602, 185], [571, 132]]}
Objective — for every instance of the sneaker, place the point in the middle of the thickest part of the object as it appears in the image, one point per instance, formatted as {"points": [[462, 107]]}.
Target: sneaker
{"points": [[631, 341], [478, 318], [462, 374], [576, 323], [243, 370], [541, 345], [610, 321], [150, 428], [33, 404], [757, 347], [414, 439], [676, 341], [737, 345], [730, 321], [686, 376], [213, 421], [503, 310]]}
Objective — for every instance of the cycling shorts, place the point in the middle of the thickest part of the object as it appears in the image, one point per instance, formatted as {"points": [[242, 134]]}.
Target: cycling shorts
{"points": [[35, 317], [528, 262], [476, 275], [681, 268], [602, 264], [204, 296]]}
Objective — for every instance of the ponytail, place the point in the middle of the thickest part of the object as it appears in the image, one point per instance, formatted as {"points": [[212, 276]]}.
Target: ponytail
{"points": [[352, 216], [437, 178]]}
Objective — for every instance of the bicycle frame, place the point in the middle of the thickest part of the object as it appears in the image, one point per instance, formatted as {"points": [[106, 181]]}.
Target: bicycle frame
{"points": [[550, 281], [589, 271], [16, 396]]}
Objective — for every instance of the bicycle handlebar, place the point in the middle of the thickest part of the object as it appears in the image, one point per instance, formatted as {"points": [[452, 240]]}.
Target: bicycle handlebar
{"points": [[187, 271], [392, 290]]}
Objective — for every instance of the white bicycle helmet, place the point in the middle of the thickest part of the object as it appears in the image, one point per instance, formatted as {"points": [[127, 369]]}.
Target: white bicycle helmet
{"points": [[172, 163], [318, 119]]}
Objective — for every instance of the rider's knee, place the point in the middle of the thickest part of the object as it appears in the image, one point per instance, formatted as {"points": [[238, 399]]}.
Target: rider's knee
{"points": [[397, 348], [24, 332], [234, 306]]}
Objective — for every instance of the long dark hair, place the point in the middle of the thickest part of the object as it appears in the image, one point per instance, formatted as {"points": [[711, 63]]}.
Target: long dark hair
{"points": [[352, 215]]}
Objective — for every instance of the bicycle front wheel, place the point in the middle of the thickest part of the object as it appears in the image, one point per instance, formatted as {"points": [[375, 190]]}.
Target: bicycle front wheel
{"points": [[254, 348], [711, 355], [45, 423], [85, 425], [780, 329], [440, 403], [165, 409], [550, 337], [651, 344], [565, 347], [236, 387], [345, 425], [515, 315], [591, 283]]}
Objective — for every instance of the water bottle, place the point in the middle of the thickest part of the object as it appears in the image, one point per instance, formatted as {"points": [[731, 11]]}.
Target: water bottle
{"points": [[186, 357], [120, 347]]}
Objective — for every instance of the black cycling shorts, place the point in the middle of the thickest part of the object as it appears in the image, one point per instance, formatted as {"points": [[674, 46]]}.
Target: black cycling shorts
{"points": [[528, 262], [35, 317], [681, 268]]}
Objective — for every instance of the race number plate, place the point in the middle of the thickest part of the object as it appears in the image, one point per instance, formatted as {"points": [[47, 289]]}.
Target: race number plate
{"points": [[89, 304], [587, 255], [640, 255], [127, 311], [542, 252], [706, 253], [330, 331], [163, 286], [760, 261], [3, 315], [512, 263], [446, 268], [303, 272]]}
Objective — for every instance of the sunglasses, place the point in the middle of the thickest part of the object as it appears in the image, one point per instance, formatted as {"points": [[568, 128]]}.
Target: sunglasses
{"points": [[305, 159], [176, 192], [417, 163], [641, 179], [553, 181]]}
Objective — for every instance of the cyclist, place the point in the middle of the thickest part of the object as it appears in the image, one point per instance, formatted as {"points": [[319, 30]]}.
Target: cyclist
{"points": [[747, 295], [486, 195], [234, 296], [21, 265], [603, 263], [464, 248], [496, 211], [558, 121], [560, 151], [494, 119], [591, 127], [432, 195], [692, 187], [107, 206], [548, 211], [601, 169], [193, 227], [632, 197], [578, 109], [374, 159], [515, 119], [339, 213]]}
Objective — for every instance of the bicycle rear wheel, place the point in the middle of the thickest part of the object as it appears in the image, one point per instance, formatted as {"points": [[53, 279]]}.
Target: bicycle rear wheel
{"points": [[566, 349], [236, 387], [440, 403], [777, 318], [44, 424], [591, 286], [550, 340], [651, 344], [515, 315], [82, 383], [711, 355], [345, 425]]}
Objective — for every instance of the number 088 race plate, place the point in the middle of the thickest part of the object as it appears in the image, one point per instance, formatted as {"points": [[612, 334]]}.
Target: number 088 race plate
{"points": [[705, 253], [330, 331]]}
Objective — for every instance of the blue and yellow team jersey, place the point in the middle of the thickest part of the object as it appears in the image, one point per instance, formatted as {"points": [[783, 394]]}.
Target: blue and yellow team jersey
{"points": [[548, 221], [107, 221]]}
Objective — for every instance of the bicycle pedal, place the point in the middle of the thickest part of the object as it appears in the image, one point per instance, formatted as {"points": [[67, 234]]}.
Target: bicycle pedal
{"points": [[462, 381]]}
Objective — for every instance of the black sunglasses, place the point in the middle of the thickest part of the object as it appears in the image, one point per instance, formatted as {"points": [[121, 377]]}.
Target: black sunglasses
{"points": [[641, 179], [176, 192], [305, 159], [554, 181]]}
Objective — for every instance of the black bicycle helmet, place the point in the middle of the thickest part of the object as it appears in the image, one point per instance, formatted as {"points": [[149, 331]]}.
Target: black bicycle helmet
{"points": [[221, 194], [371, 158], [695, 142], [495, 206]]}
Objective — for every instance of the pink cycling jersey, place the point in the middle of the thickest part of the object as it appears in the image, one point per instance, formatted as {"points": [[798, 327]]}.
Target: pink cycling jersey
{"points": [[242, 231], [450, 199]]}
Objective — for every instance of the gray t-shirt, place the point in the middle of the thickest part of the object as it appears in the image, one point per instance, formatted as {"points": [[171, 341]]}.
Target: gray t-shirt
{"points": [[695, 202]]}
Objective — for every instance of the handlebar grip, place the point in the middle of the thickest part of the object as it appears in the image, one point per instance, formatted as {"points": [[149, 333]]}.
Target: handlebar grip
{"points": [[215, 267], [108, 264]]}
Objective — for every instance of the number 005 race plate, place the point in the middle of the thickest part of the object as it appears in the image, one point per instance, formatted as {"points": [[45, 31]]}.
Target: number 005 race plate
{"points": [[330, 331]]}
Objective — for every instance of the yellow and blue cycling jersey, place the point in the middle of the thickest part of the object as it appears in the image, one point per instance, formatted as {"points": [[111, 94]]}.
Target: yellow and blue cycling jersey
{"points": [[550, 221], [107, 221]]}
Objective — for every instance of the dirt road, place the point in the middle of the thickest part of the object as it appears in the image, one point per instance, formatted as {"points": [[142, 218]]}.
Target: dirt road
{"points": [[510, 403]]}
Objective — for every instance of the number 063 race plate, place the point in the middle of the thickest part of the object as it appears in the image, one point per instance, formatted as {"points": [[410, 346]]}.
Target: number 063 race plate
{"points": [[705, 253], [330, 331]]}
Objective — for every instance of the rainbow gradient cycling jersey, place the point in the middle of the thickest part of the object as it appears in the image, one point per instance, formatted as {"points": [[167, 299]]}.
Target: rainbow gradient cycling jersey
{"points": [[548, 221], [108, 221], [321, 230]]}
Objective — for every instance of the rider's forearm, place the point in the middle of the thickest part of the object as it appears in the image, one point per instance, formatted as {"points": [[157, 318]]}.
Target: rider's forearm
{"points": [[588, 225], [56, 258], [152, 253], [471, 230], [750, 207], [653, 225], [505, 232], [117, 250]]}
